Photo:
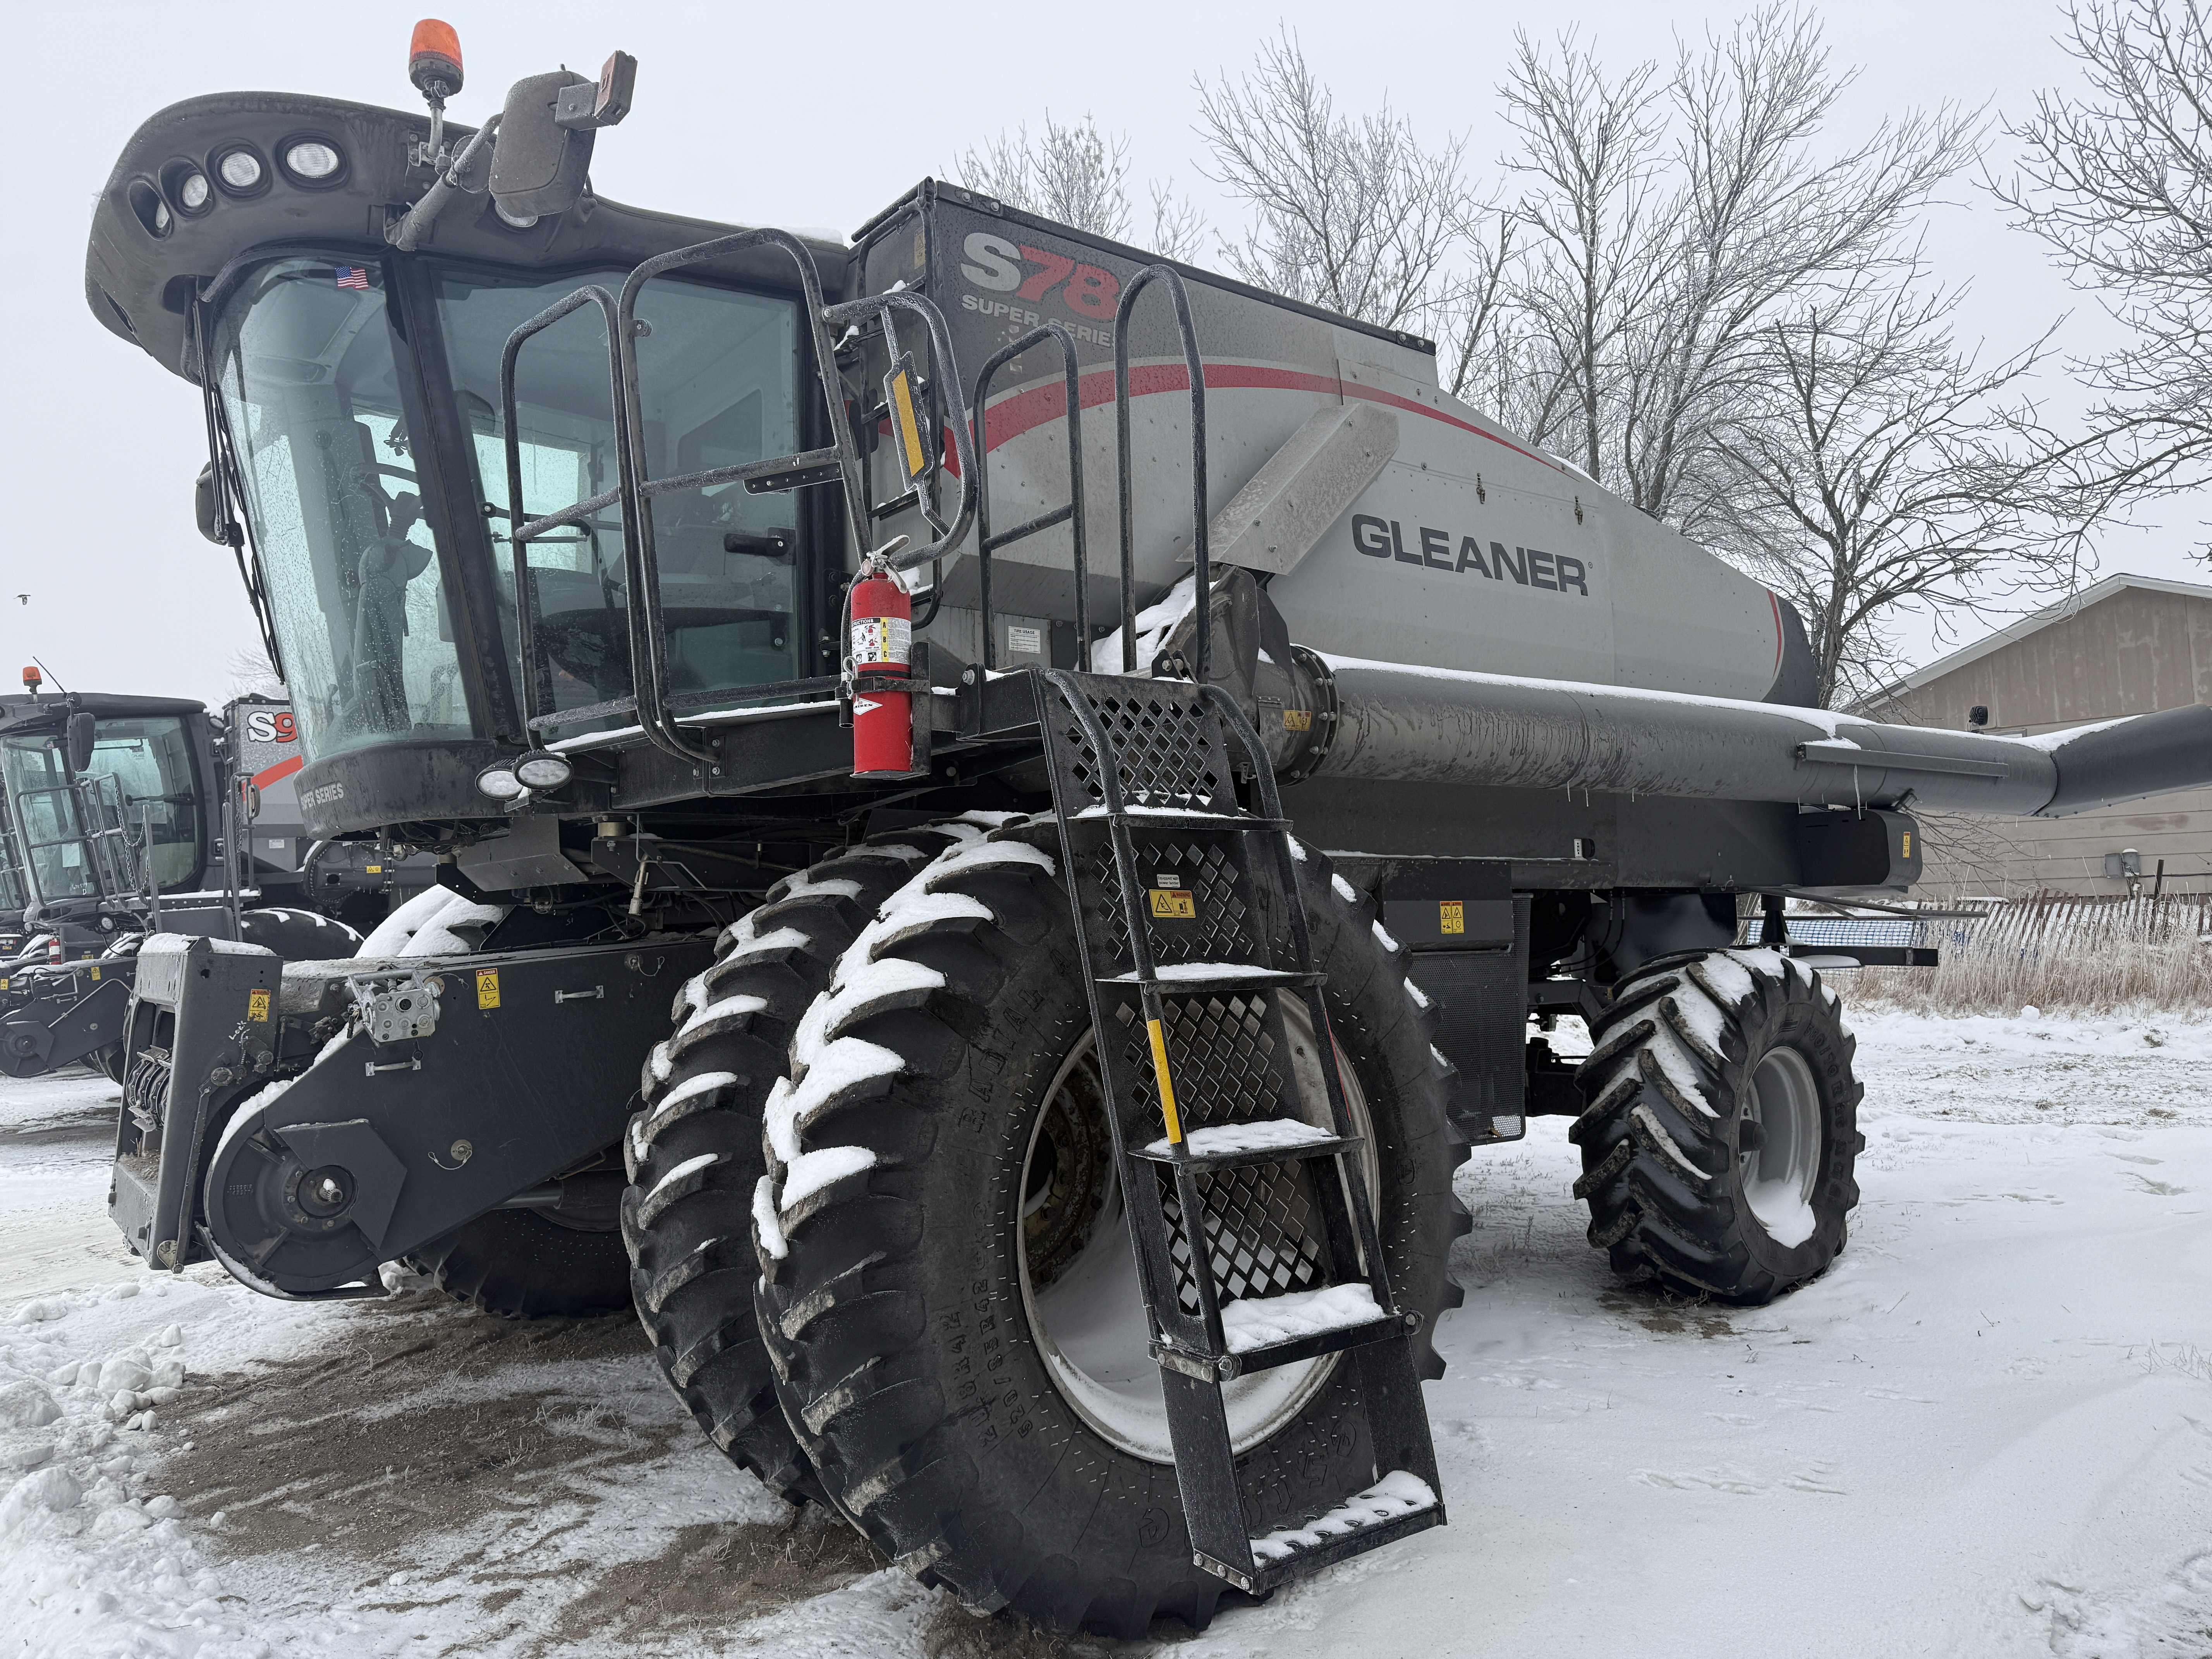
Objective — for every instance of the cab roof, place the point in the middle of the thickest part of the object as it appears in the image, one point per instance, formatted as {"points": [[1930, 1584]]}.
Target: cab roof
{"points": [[25, 710], [149, 252]]}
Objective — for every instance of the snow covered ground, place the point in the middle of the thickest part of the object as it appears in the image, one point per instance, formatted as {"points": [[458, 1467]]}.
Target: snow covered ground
{"points": [[1988, 1431]]}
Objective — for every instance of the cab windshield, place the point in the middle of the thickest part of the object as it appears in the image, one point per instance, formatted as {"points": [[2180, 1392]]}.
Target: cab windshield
{"points": [[313, 396], [335, 479]]}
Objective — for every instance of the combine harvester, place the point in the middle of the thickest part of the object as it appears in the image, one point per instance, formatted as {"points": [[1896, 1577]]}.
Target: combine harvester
{"points": [[114, 812], [1017, 804]]}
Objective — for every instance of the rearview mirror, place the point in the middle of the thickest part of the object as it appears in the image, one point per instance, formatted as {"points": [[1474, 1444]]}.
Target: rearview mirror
{"points": [[546, 129], [82, 729], [204, 503]]}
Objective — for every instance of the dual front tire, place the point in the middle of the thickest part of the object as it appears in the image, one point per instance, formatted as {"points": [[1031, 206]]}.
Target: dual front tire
{"points": [[946, 1305], [910, 1298]]}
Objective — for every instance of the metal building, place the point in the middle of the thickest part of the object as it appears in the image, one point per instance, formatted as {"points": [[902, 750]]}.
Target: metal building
{"points": [[2127, 646]]}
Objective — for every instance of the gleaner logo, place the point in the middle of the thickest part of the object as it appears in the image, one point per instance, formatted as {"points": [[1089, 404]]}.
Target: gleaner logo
{"points": [[1531, 567]]}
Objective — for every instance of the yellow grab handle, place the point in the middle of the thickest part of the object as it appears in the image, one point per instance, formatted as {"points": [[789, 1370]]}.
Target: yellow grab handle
{"points": [[1167, 1089]]}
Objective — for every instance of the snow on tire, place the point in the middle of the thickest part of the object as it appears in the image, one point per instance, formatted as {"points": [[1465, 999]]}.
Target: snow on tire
{"points": [[1721, 1129], [940, 1183], [693, 1150]]}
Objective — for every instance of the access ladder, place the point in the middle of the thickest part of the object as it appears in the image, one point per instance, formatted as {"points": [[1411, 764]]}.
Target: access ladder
{"points": [[1249, 1201]]}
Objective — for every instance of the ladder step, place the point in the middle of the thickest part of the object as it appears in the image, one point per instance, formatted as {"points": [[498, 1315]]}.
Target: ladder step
{"points": [[1179, 818], [1185, 979], [1398, 1504], [1261, 1333], [1234, 1146]]}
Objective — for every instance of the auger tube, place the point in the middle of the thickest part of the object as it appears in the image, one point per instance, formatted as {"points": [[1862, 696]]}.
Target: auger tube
{"points": [[1444, 727]]}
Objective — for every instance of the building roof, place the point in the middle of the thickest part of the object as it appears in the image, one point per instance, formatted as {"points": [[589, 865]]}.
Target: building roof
{"points": [[2065, 610]]}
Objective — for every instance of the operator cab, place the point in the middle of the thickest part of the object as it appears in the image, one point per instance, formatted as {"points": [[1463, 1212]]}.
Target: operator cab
{"points": [[84, 832], [247, 241]]}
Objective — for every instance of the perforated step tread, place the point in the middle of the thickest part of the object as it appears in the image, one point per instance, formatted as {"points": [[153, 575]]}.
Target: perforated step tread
{"points": [[1398, 1504], [1184, 979], [1140, 818], [1234, 1146]]}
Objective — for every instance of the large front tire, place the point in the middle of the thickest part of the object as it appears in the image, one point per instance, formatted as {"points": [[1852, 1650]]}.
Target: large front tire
{"points": [[920, 1183], [1720, 1140], [694, 1150]]}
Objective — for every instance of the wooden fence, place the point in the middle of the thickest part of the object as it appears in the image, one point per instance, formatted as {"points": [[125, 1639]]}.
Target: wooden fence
{"points": [[2057, 951]]}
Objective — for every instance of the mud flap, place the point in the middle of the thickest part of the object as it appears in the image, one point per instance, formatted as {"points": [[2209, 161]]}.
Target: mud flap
{"points": [[1466, 936]]}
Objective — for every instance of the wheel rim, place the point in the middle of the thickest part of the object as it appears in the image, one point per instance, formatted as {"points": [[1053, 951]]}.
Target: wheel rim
{"points": [[1779, 1159], [1078, 1274]]}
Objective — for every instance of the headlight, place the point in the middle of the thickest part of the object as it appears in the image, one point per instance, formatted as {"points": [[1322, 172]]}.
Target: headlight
{"points": [[514, 220], [192, 192], [160, 218], [311, 158], [541, 769], [241, 169], [498, 781]]}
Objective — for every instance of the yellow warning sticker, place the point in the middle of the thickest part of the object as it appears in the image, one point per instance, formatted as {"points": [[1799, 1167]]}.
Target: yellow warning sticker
{"points": [[1297, 719], [95, 970], [1451, 916], [1905, 852], [257, 1004], [1170, 905], [487, 987], [373, 869]]}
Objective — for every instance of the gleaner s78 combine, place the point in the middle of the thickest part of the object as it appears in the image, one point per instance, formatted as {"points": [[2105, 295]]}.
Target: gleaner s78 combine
{"points": [[1016, 806]]}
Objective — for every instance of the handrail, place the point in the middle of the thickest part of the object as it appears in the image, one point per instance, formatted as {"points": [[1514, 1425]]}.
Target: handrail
{"points": [[521, 534], [1072, 514], [636, 491], [879, 307], [651, 681], [1201, 572]]}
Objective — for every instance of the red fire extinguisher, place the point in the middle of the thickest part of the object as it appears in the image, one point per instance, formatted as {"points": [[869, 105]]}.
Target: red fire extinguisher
{"points": [[882, 616]]}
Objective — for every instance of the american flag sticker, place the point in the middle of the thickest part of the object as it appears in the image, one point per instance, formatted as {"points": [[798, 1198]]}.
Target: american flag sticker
{"points": [[352, 277]]}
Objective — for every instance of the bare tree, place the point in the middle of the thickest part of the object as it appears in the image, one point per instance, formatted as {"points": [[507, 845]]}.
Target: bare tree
{"points": [[251, 675], [1671, 224], [1178, 228], [1079, 176], [1355, 215], [1071, 174], [2119, 182], [1875, 474], [1759, 222], [1587, 158]]}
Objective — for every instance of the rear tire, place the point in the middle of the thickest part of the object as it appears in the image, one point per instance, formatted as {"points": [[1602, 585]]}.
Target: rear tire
{"points": [[1721, 1136], [518, 1264], [694, 1151], [892, 1296]]}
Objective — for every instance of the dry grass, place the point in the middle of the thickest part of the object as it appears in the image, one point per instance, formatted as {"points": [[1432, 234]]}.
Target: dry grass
{"points": [[2074, 954]]}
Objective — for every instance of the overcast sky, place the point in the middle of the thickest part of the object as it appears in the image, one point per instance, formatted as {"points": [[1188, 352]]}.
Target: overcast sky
{"points": [[758, 114]]}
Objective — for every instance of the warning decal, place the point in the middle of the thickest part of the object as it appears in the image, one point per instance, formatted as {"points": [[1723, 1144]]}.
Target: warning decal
{"points": [[257, 1004], [487, 987], [1451, 916]]}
